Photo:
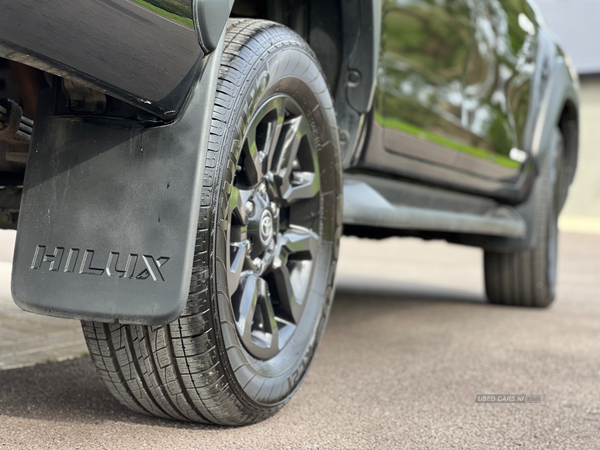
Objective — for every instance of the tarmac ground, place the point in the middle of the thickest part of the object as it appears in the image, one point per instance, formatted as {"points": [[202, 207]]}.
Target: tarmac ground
{"points": [[410, 344]]}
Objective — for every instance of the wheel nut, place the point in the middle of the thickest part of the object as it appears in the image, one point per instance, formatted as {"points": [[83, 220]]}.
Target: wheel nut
{"points": [[274, 208], [263, 188], [250, 208]]}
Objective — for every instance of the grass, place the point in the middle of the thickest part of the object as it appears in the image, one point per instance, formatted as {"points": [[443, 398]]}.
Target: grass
{"points": [[183, 20]]}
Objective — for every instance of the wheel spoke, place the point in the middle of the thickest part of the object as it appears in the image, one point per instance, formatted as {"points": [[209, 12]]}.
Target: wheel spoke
{"points": [[274, 129], [254, 317], [262, 138], [301, 242], [237, 202], [254, 158], [238, 254], [304, 185], [285, 294], [291, 283], [291, 136]]}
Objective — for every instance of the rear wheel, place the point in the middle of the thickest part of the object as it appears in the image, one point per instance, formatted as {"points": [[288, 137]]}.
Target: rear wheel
{"points": [[528, 278], [266, 250]]}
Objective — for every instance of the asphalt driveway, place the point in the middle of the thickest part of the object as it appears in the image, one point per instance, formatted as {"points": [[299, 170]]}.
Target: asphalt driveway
{"points": [[410, 344]]}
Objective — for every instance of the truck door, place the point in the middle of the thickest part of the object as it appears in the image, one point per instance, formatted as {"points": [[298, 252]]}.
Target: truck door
{"points": [[500, 69], [425, 45]]}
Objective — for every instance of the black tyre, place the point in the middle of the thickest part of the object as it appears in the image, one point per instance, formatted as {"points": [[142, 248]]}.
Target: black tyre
{"points": [[266, 252], [528, 278]]}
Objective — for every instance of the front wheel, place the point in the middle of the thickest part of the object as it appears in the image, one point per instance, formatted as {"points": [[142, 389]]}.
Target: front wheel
{"points": [[266, 251], [528, 278]]}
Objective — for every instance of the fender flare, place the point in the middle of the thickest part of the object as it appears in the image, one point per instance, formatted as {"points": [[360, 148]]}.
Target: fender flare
{"points": [[210, 20], [559, 90]]}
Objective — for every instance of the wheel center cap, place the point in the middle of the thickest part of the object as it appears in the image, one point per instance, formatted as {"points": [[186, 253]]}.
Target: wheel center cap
{"points": [[266, 227]]}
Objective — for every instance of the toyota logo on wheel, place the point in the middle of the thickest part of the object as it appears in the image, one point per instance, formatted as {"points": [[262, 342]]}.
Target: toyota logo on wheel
{"points": [[266, 227]]}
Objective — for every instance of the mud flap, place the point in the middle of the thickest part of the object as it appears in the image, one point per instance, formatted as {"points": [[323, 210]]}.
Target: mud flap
{"points": [[109, 214]]}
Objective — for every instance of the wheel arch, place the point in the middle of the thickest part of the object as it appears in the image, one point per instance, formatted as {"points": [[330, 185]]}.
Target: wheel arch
{"points": [[569, 127], [345, 36], [559, 108], [556, 107]]}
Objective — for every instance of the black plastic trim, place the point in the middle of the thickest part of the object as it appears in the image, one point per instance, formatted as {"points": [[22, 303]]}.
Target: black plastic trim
{"points": [[210, 19], [109, 215]]}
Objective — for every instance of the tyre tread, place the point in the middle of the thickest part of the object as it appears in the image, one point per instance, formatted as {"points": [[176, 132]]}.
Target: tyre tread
{"points": [[520, 278]]}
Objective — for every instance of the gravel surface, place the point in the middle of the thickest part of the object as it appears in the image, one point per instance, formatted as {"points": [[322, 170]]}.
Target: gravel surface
{"points": [[409, 345]]}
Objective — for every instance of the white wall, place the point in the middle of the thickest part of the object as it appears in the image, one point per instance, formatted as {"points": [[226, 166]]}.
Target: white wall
{"points": [[577, 26], [584, 196]]}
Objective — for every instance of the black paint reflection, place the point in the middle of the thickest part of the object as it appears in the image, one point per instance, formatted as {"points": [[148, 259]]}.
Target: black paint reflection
{"points": [[178, 10], [456, 74]]}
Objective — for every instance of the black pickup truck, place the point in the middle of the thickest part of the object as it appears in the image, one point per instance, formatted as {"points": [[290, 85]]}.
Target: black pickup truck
{"points": [[180, 172]]}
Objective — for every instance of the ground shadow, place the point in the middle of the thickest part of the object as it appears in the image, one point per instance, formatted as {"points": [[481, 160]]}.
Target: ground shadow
{"points": [[69, 391], [360, 287]]}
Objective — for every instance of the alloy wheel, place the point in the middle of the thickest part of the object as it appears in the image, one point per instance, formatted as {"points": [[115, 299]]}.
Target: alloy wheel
{"points": [[273, 236]]}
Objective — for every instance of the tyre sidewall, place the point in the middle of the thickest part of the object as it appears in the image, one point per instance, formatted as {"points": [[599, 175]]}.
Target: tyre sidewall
{"points": [[291, 69]]}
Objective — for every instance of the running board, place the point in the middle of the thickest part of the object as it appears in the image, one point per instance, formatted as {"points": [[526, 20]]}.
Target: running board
{"points": [[385, 203]]}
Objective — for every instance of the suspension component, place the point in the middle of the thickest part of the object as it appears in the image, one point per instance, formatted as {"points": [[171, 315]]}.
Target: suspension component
{"points": [[14, 126], [15, 129]]}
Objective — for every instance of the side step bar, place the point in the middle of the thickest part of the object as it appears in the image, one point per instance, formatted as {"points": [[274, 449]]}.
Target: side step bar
{"points": [[384, 203]]}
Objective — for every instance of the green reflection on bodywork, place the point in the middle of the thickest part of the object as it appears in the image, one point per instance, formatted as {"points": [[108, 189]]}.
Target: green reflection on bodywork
{"points": [[171, 9], [405, 127], [430, 35]]}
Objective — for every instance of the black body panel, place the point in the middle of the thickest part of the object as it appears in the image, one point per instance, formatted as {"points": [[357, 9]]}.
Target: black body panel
{"points": [[146, 57], [457, 96]]}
